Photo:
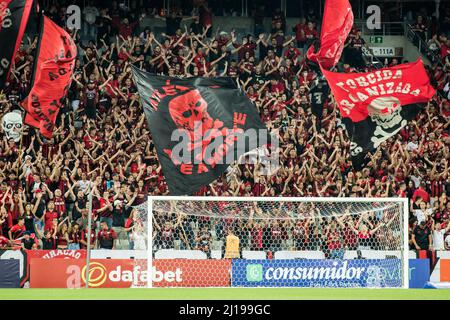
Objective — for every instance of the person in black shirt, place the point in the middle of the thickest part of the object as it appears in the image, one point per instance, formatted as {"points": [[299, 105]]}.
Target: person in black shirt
{"points": [[422, 237], [173, 22], [48, 240], [91, 99], [258, 17], [80, 204], [319, 94], [203, 240], [196, 27], [106, 237], [355, 53], [27, 241], [119, 215], [103, 24]]}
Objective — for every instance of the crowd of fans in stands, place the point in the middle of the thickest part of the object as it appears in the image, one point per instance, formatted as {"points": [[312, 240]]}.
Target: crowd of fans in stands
{"points": [[102, 142]]}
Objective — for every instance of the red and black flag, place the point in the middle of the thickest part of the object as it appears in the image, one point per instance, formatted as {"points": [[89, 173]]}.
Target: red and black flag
{"points": [[336, 25], [199, 127], [376, 105], [56, 54], [14, 16]]}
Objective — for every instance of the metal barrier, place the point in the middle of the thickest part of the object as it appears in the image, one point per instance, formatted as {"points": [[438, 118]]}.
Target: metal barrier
{"points": [[420, 43], [387, 28]]}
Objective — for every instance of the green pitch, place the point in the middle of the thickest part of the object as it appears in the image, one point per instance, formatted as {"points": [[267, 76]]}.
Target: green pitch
{"points": [[225, 294]]}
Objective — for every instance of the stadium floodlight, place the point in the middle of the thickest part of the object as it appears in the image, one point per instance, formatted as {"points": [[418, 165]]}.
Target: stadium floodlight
{"points": [[275, 242]]}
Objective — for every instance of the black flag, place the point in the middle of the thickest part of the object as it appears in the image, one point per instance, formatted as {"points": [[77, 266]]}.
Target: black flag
{"points": [[366, 133], [199, 126]]}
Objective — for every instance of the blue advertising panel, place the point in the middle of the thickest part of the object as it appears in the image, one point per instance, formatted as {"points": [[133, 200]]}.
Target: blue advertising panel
{"points": [[419, 272], [10, 273], [360, 273]]}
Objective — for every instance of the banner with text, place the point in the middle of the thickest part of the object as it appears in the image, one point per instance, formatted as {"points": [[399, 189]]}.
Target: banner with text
{"points": [[317, 273], [376, 105], [126, 273]]}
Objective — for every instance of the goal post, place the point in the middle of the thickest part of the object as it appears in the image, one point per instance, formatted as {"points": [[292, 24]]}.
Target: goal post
{"points": [[277, 242]]}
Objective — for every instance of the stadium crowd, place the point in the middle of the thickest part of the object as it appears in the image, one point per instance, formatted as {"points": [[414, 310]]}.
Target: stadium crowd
{"points": [[102, 142]]}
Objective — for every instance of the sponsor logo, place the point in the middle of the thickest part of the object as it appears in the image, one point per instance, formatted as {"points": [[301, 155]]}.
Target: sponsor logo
{"points": [[254, 272], [98, 274], [126, 273], [316, 273]]}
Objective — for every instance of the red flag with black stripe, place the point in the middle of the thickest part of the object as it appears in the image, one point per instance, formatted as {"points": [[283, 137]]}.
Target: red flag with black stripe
{"points": [[376, 105], [52, 76], [14, 16]]}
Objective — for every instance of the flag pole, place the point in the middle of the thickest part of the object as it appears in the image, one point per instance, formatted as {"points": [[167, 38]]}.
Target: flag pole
{"points": [[88, 253], [20, 153]]}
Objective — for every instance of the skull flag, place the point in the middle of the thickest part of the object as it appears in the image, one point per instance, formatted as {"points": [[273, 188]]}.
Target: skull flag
{"points": [[199, 127], [12, 125], [52, 76], [14, 16], [336, 25], [376, 105]]}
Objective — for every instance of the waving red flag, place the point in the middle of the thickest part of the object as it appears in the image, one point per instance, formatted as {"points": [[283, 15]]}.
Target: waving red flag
{"points": [[52, 76], [336, 25], [377, 105], [14, 16], [360, 95]]}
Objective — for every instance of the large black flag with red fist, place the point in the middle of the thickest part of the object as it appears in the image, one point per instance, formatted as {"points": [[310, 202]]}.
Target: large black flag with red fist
{"points": [[14, 16], [199, 126]]}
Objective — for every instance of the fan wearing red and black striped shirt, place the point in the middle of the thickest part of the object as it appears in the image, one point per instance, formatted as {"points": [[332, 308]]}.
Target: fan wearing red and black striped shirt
{"points": [[17, 230]]}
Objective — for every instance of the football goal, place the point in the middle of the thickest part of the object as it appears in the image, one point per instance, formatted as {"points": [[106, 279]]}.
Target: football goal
{"points": [[276, 242]]}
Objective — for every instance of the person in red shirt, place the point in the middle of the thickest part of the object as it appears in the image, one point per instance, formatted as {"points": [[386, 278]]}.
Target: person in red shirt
{"points": [[299, 30], [445, 50], [59, 203], [126, 28], [17, 230], [5, 243], [292, 52], [311, 33], [421, 192], [334, 241], [84, 239], [74, 237], [50, 215], [205, 16]]}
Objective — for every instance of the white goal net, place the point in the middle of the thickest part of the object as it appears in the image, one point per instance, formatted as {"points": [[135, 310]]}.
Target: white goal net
{"points": [[276, 242]]}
